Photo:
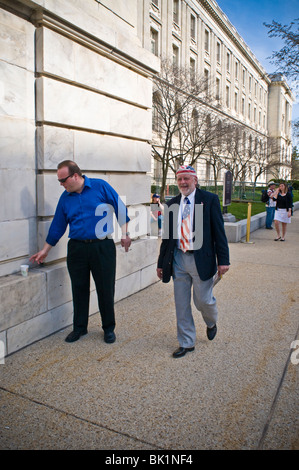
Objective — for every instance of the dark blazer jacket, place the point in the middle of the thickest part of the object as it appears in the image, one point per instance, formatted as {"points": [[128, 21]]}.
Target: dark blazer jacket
{"points": [[214, 248]]}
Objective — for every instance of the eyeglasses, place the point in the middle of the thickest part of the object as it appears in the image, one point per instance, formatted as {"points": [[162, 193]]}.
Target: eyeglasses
{"points": [[63, 180]]}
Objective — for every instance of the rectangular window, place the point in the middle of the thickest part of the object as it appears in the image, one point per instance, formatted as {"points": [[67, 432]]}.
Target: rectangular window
{"points": [[176, 13], [154, 42], [192, 67], [218, 52], [237, 70], [243, 105], [287, 111], [175, 55], [236, 102], [155, 118], [228, 62], [207, 77], [207, 40], [217, 89], [193, 27], [227, 96]]}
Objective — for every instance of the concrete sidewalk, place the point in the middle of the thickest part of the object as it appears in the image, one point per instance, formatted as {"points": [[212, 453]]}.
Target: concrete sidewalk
{"points": [[239, 391]]}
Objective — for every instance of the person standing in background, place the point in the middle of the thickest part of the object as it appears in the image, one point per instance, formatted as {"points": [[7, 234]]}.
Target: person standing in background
{"points": [[270, 205], [157, 212], [283, 210]]}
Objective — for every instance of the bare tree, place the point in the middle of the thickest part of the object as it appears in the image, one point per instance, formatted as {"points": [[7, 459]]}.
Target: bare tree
{"points": [[274, 158], [237, 153], [287, 58], [198, 133], [187, 129], [295, 130], [260, 161], [215, 155], [295, 164], [266, 158], [176, 91]]}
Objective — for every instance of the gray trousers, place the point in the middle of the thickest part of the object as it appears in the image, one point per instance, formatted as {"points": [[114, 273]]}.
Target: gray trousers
{"points": [[185, 276]]}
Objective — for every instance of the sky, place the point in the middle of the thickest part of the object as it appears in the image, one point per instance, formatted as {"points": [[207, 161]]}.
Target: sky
{"points": [[248, 17]]}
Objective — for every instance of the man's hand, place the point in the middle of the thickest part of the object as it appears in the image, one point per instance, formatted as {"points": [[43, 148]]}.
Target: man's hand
{"points": [[222, 270], [42, 254], [159, 273], [125, 242]]}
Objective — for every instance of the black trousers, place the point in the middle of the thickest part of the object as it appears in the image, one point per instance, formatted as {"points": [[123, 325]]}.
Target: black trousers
{"points": [[99, 259]]}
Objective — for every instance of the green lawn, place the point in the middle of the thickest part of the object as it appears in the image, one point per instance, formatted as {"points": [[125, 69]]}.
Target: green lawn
{"points": [[239, 209]]}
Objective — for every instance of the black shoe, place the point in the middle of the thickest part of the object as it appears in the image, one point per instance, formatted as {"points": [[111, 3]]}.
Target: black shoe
{"points": [[109, 337], [211, 332], [182, 351], [74, 336]]}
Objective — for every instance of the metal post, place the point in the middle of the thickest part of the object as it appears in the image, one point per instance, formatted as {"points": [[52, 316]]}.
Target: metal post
{"points": [[248, 222], [248, 225]]}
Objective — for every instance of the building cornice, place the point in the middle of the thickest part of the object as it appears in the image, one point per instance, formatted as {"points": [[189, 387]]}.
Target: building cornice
{"points": [[40, 17], [279, 80], [213, 9]]}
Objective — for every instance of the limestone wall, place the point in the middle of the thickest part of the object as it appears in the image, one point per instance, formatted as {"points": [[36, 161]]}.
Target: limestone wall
{"points": [[17, 142], [75, 84]]}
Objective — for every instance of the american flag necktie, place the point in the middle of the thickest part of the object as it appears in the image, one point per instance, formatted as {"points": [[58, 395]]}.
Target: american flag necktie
{"points": [[185, 227]]}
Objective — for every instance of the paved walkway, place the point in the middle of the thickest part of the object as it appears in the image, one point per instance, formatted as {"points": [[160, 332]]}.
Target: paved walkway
{"points": [[239, 391]]}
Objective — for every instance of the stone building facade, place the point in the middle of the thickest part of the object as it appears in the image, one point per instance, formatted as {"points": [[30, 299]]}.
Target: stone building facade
{"points": [[197, 34], [280, 104], [76, 83]]}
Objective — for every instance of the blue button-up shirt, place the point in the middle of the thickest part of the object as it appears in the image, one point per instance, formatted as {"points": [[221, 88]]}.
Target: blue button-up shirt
{"points": [[89, 214]]}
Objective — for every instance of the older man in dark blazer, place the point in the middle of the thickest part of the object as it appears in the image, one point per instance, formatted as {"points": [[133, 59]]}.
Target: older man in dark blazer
{"points": [[193, 249]]}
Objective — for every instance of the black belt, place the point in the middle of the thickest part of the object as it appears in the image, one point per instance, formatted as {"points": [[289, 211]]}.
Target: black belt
{"points": [[189, 252], [92, 240]]}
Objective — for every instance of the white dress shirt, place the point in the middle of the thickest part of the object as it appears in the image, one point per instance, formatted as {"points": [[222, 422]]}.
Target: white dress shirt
{"points": [[191, 198]]}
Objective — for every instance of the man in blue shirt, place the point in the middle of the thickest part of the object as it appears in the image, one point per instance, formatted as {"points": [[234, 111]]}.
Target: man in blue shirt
{"points": [[87, 205]]}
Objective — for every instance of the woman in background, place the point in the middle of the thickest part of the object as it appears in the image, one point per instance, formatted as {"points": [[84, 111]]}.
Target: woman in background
{"points": [[283, 210], [157, 213]]}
